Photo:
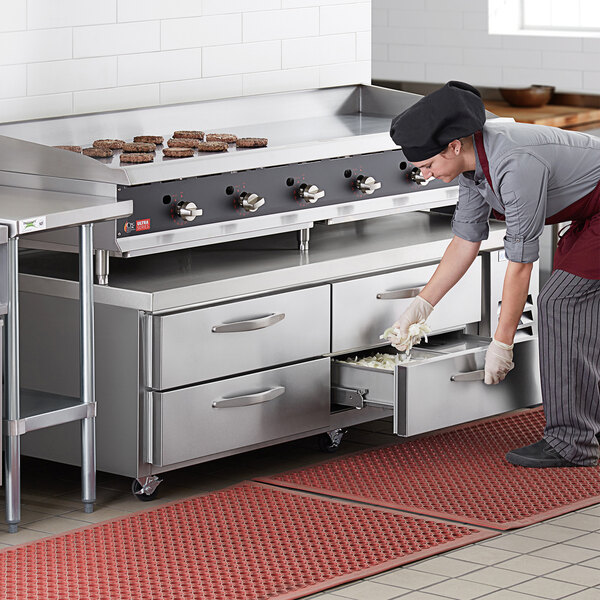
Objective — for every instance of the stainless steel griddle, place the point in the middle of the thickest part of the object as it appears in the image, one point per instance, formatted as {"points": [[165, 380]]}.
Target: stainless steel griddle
{"points": [[329, 159]]}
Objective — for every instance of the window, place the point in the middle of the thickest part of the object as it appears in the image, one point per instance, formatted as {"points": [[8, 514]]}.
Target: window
{"points": [[579, 18]]}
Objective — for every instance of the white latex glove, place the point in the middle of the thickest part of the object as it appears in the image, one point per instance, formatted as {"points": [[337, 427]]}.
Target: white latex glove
{"points": [[418, 311], [498, 361]]}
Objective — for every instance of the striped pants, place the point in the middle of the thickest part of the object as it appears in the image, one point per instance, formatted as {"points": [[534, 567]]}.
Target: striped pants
{"points": [[569, 338]]}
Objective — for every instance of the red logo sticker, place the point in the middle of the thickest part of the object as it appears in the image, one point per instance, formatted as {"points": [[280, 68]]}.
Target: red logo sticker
{"points": [[142, 225]]}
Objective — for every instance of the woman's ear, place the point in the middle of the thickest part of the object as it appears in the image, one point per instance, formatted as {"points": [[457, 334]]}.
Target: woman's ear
{"points": [[453, 149]]}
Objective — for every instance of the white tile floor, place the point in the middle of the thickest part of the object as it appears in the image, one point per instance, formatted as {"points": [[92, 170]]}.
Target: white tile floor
{"points": [[559, 558]]}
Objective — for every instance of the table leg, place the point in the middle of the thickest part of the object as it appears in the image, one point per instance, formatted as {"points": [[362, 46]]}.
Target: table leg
{"points": [[88, 425], [12, 456]]}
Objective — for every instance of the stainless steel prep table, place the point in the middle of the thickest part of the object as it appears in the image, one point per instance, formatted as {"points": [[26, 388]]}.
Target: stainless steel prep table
{"points": [[28, 210], [150, 353]]}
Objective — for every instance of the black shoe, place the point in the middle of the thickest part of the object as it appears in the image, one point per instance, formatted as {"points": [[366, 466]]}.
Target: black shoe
{"points": [[540, 454]]}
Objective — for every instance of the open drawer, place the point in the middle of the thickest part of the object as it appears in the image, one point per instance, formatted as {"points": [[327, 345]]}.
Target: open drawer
{"points": [[441, 385], [363, 308]]}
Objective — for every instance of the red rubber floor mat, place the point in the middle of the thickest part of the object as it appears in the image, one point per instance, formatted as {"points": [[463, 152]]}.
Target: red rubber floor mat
{"points": [[459, 474], [248, 542]]}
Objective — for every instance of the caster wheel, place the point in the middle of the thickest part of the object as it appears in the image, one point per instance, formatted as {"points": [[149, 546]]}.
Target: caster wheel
{"points": [[136, 487], [330, 442]]}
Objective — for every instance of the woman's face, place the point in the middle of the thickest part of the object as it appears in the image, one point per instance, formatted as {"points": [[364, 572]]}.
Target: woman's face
{"points": [[446, 165]]}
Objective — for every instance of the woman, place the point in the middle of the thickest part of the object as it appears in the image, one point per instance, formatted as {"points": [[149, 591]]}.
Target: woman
{"points": [[531, 175]]}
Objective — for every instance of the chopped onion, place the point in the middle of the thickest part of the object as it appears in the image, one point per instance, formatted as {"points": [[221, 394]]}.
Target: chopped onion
{"points": [[404, 343], [376, 361]]}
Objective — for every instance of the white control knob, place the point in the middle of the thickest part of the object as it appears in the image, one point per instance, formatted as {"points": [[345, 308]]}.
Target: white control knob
{"points": [[251, 202], [417, 177], [367, 184], [188, 211], [311, 193]]}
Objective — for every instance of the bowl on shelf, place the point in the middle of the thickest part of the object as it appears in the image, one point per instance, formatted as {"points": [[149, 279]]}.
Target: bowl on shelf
{"points": [[532, 96]]}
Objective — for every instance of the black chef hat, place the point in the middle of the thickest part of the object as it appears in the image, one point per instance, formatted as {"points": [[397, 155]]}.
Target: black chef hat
{"points": [[427, 127]]}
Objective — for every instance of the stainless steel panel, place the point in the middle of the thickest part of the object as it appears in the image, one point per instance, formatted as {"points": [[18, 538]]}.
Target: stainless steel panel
{"points": [[26, 211], [494, 270], [362, 308], [190, 423], [191, 346], [18, 156], [50, 341], [57, 184], [66, 239], [424, 395]]}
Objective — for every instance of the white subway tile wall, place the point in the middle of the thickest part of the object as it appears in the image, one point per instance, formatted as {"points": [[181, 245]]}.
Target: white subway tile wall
{"points": [[433, 41], [14, 81], [61, 57]]}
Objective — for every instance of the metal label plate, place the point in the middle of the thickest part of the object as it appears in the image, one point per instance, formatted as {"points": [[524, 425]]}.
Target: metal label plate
{"points": [[29, 225]]}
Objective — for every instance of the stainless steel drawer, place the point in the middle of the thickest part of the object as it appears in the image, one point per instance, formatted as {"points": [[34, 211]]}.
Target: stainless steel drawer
{"points": [[209, 343], [427, 393], [363, 308], [242, 411]]}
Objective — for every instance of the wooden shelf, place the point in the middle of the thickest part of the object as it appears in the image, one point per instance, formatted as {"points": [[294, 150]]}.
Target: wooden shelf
{"points": [[551, 114]]}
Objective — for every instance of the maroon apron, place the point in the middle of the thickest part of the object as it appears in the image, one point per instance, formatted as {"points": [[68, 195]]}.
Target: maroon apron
{"points": [[578, 250]]}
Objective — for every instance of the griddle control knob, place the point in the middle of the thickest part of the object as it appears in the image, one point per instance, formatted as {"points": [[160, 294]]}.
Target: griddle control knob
{"points": [[417, 177], [188, 211], [367, 184], [251, 202], [311, 193]]}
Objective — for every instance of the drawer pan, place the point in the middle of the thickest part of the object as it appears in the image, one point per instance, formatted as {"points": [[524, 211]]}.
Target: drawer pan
{"points": [[425, 397], [372, 304], [214, 342], [206, 419]]}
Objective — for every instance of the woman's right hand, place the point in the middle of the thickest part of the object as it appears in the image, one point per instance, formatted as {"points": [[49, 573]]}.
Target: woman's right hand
{"points": [[418, 310]]}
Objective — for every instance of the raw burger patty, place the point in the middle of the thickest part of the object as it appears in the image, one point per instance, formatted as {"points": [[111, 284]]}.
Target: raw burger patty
{"points": [[251, 142], [70, 148], [112, 144], [221, 137], [151, 139], [183, 143], [212, 146], [139, 147], [98, 152], [137, 157], [178, 152], [195, 135]]}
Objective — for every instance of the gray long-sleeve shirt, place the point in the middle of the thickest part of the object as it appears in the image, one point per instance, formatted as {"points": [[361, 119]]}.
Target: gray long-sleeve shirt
{"points": [[536, 172]]}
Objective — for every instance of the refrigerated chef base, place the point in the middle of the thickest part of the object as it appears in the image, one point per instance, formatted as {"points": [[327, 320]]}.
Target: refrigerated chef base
{"points": [[248, 542], [460, 475]]}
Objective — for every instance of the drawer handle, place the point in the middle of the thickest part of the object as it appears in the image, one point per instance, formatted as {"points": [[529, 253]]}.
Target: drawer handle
{"points": [[250, 399], [469, 376], [400, 294], [249, 325]]}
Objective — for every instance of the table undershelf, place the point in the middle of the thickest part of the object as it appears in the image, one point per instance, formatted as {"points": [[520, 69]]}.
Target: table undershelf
{"points": [[41, 409]]}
